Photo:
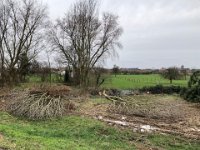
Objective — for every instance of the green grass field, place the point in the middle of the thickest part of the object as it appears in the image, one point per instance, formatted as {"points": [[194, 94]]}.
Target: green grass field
{"points": [[139, 81], [55, 78], [70, 132], [78, 133], [123, 81]]}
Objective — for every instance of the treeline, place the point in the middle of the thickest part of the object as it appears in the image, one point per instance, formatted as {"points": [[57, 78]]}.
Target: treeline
{"points": [[129, 71], [21, 25], [190, 93], [80, 41]]}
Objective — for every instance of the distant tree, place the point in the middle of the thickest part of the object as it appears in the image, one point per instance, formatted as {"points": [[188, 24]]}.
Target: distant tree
{"points": [[35, 67], [184, 72], [24, 66], [171, 74], [115, 70]]}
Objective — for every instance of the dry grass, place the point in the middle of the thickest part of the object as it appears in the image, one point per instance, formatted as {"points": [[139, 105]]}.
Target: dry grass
{"points": [[167, 108], [170, 114], [53, 90]]}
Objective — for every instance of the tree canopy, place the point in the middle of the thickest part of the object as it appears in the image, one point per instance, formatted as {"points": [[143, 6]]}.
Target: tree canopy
{"points": [[85, 38]]}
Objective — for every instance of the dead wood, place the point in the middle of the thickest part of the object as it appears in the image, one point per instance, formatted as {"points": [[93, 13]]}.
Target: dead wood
{"points": [[113, 98], [37, 106]]}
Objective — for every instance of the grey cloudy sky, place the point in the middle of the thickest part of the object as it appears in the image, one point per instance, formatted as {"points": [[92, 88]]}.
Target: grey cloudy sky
{"points": [[157, 33]]}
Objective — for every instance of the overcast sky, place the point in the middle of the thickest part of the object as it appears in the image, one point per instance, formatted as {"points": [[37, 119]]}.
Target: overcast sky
{"points": [[157, 33]]}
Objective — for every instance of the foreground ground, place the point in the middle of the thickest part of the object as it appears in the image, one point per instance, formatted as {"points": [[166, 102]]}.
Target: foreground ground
{"points": [[156, 122], [162, 113], [78, 132]]}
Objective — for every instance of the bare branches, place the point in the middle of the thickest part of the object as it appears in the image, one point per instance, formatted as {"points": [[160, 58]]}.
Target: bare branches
{"points": [[84, 38], [21, 25], [37, 106]]}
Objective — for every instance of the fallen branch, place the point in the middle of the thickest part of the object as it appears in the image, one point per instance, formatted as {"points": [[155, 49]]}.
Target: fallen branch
{"points": [[113, 98]]}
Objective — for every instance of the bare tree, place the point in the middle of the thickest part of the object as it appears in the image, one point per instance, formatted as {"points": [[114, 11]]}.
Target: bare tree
{"points": [[85, 38], [20, 32]]}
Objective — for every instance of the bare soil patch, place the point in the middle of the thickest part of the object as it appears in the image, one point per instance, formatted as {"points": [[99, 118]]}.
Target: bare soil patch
{"points": [[151, 113]]}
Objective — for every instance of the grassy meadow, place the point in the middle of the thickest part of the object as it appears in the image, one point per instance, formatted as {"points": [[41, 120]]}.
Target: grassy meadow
{"points": [[78, 133], [70, 132], [139, 81], [120, 81], [55, 78]]}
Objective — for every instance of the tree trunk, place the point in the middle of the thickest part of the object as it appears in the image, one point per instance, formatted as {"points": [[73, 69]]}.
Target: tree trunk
{"points": [[170, 81]]}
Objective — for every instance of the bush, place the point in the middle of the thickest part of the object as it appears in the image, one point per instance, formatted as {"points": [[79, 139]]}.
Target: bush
{"points": [[192, 93], [160, 89]]}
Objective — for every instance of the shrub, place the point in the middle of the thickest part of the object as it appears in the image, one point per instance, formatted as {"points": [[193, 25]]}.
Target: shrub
{"points": [[160, 89], [192, 93]]}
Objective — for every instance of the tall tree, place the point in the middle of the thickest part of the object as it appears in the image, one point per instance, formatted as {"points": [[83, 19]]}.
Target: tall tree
{"points": [[20, 32], [84, 38]]}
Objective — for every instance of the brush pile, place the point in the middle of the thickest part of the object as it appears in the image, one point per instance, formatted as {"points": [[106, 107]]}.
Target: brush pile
{"points": [[39, 104]]}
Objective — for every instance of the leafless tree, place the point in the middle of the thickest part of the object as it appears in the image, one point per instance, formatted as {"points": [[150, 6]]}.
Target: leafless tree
{"points": [[84, 38], [20, 32]]}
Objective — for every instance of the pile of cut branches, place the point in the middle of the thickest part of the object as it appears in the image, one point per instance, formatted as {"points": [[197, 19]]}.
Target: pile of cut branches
{"points": [[130, 106], [53, 90], [38, 106], [125, 105]]}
